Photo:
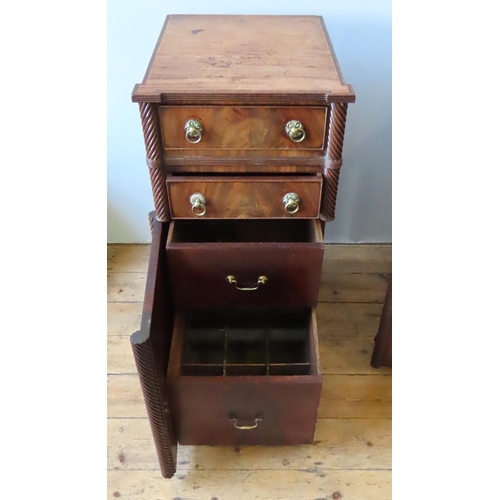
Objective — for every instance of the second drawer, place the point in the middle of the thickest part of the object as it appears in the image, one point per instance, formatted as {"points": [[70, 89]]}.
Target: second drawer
{"points": [[245, 262], [244, 197]]}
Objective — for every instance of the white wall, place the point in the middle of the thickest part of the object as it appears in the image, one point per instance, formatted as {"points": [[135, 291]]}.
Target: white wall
{"points": [[361, 35]]}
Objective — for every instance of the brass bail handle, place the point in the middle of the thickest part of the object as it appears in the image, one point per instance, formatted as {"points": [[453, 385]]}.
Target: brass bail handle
{"points": [[198, 202], [291, 202], [261, 280], [193, 129], [295, 131], [234, 419]]}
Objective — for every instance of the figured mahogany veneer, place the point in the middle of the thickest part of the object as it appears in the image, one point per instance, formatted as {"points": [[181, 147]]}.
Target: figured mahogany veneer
{"points": [[244, 197], [227, 130], [201, 254]]}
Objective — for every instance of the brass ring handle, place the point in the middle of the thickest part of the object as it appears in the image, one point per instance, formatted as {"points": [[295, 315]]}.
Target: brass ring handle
{"points": [[295, 131], [291, 202], [193, 131], [258, 420], [198, 201], [262, 280]]}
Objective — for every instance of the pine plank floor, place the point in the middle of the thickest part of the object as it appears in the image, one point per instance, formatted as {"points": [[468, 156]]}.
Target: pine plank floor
{"points": [[350, 458]]}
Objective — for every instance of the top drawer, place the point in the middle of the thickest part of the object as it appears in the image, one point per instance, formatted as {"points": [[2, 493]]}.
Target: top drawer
{"points": [[241, 130]]}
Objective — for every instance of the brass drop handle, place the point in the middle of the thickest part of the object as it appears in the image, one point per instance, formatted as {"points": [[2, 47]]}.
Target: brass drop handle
{"points": [[193, 131], [198, 201], [258, 420], [261, 280], [291, 202], [295, 131]]}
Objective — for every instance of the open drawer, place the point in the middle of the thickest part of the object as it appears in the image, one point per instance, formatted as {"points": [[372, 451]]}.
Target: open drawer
{"points": [[223, 376], [245, 262], [244, 376]]}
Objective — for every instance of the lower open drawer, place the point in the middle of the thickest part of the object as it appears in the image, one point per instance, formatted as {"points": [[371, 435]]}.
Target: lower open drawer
{"points": [[244, 376]]}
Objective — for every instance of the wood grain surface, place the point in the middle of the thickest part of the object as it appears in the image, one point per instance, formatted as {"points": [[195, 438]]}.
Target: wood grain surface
{"points": [[307, 164], [313, 483], [339, 444], [244, 197], [210, 57], [241, 130]]}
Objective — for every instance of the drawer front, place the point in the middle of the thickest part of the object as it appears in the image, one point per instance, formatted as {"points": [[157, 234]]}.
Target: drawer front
{"points": [[244, 197], [226, 129], [206, 409], [237, 273], [231, 410], [252, 273]]}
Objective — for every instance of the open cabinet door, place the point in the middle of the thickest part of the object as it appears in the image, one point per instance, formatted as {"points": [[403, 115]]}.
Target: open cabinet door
{"points": [[151, 348]]}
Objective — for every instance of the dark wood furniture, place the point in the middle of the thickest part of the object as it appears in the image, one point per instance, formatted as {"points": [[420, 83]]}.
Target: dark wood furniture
{"points": [[243, 120], [382, 350]]}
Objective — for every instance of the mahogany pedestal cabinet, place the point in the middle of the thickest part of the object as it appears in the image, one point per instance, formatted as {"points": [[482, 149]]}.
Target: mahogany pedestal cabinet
{"points": [[243, 120]]}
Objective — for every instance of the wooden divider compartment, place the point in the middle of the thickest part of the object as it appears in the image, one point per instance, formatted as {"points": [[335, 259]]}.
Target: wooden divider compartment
{"points": [[247, 341], [229, 367]]}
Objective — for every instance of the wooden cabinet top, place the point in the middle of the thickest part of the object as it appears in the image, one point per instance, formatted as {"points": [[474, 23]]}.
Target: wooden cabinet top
{"points": [[243, 59]]}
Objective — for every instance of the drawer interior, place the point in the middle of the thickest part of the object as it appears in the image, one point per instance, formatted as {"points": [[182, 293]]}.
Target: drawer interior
{"points": [[244, 341], [245, 231]]}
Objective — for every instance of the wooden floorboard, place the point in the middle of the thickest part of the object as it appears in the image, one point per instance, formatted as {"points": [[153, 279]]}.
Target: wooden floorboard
{"points": [[316, 483], [351, 454], [349, 444]]}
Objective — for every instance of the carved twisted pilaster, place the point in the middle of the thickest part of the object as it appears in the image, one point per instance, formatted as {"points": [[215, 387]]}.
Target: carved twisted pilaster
{"points": [[160, 195], [336, 132], [152, 142], [156, 409], [330, 187], [333, 160]]}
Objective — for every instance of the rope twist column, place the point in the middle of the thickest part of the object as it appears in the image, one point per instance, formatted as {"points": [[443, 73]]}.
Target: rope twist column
{"points": [[333, 160], [152, 141]]}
